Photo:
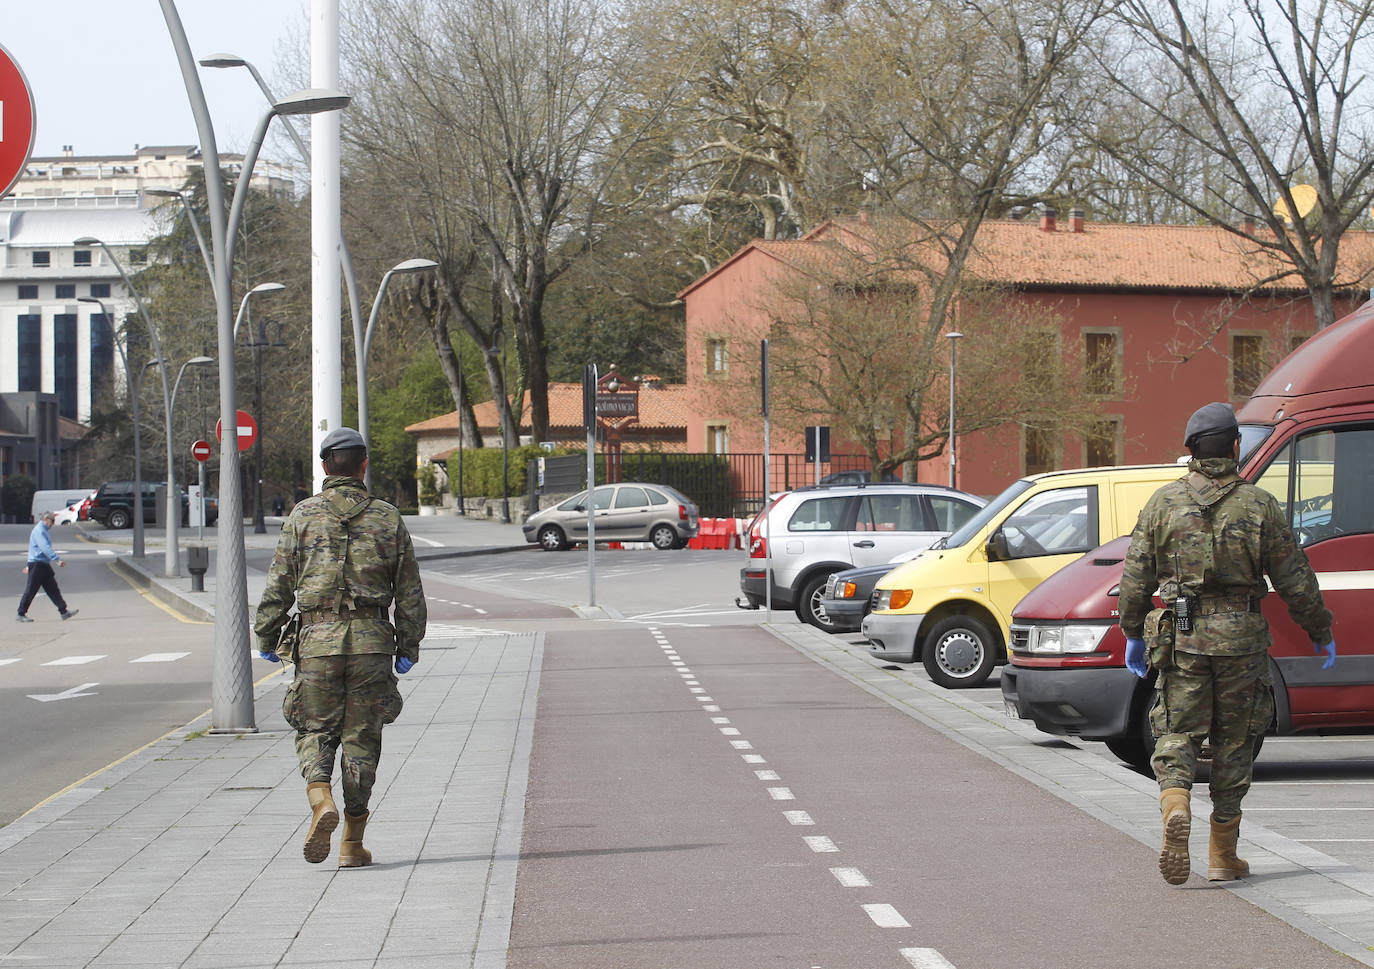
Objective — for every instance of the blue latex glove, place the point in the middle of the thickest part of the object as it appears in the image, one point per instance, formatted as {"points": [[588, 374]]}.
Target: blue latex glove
{"points": [[404, 665], [270, 657], [1330, 650], [1135, 657]]}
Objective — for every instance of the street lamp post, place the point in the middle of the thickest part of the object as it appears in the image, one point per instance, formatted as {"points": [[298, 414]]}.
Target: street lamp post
{"points": [[172, 560], [258, 345], [135, 383], [232, 684], [350, 278], [362, 347], [169, 193], [952, 337]]}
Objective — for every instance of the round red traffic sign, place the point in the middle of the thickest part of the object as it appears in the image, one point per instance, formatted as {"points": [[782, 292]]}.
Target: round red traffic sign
{"points": [[201, 450], [17, 122], [248, 429]]}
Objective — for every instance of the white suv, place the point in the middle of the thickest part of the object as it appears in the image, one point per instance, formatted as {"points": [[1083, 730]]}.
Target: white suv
{"points": [[812, 532]]}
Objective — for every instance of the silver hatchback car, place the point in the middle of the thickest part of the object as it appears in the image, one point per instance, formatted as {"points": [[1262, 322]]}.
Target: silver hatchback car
{"points": [[811, 532], [630, 511]]}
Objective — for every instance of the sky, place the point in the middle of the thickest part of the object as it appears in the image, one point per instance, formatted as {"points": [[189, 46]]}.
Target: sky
{"points": [[105, 76]]}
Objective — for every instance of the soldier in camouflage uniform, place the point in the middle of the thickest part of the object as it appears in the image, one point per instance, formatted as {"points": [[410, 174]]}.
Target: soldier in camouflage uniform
{"points": [[343, 557], [1206, 543]]}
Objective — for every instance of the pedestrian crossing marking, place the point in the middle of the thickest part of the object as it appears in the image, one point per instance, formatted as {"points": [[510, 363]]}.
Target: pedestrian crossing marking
{"points": [[7, 662], [73, 660], [159, 658]]}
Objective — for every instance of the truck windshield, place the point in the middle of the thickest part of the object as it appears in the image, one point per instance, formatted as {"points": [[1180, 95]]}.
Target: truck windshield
{"points": [[986, 514], [1251, 437]]}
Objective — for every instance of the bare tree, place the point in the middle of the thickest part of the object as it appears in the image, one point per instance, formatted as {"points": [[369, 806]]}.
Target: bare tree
{"points": [[1263, 95]]}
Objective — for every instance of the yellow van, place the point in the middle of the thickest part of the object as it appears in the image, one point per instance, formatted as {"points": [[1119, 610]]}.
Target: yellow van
{"points": [[950, 607]]}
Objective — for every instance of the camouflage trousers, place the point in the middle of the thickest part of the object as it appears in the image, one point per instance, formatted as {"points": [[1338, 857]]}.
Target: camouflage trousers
{"points": [[1227, 698], [342, 701]]}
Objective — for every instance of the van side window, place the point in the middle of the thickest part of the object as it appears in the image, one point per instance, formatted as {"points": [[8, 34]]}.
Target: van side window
{"points": [[1053, 523], [950, 513], [1324, 491], [819, 515]]}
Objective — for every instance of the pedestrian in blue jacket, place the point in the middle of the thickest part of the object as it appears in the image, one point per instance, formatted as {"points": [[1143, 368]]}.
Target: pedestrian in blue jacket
{"points": [[39, 570]]}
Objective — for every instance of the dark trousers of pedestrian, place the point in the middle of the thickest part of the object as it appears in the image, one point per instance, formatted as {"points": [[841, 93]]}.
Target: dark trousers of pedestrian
{"points": [[41, 576]]}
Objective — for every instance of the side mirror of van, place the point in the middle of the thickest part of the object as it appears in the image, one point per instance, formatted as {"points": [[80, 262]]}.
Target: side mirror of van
{"points": [[998, 550]]}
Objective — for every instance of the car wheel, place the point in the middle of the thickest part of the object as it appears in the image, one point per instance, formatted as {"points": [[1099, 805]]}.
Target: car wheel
{"points": [[664, 537], [119, 518], [960, 653], [809, 608], [551, 539]]}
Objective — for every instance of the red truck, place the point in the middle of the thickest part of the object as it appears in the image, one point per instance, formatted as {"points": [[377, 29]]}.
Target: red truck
{"points": [[1307, 436]]}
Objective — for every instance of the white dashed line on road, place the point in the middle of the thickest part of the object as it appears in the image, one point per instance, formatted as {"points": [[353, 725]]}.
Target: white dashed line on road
{"points": [[160, 658], [6, 662], [886, 917], [730, 731], [925, 959], [851, 878], [797, 817], [73, 660], [767, 775], [781, 794], [819, 843]]}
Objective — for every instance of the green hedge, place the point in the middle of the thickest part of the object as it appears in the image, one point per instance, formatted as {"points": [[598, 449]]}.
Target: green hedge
{"points": [[482, 470]]}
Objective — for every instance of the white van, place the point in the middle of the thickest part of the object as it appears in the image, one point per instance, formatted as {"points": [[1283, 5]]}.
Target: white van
{"points": [[55, 501]]}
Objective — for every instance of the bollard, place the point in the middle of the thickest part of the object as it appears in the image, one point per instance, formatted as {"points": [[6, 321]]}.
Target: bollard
{"points": [[197, 563]]}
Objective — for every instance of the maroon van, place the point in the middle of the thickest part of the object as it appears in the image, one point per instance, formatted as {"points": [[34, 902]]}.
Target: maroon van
{"points": [[1307, 436]]}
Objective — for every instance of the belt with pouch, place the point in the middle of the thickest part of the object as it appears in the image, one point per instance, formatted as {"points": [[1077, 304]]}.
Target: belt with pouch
{"points": [[311, 617], [1219, 605]]}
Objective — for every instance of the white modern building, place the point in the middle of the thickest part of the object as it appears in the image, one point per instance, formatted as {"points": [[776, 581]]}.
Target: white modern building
{"points": [[51, 342]]}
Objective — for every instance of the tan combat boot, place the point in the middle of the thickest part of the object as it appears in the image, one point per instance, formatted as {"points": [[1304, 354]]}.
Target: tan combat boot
{"points": [[352, 854], [1222, 863], [1174, 863], [324, 819]]}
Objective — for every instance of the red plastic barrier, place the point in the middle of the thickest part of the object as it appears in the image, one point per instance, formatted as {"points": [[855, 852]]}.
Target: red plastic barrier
{"points": [[700, 539]]}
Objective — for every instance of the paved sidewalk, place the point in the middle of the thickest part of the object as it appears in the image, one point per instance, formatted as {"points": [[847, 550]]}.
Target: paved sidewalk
{"points": [[187, 853]]}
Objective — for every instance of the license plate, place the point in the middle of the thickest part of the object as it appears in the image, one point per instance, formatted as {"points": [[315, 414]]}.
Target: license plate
{"points": [[1011, 710]]}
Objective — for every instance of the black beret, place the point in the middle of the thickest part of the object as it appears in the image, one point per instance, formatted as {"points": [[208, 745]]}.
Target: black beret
{"points": [[1215, 418], [341, 437]]}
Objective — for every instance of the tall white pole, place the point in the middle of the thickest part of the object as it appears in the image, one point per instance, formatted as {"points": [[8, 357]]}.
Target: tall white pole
{"points": [[326, 357], [952, 338]]}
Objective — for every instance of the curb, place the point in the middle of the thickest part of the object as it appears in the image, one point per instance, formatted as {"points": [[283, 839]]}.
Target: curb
{"points": [[160, 592]]}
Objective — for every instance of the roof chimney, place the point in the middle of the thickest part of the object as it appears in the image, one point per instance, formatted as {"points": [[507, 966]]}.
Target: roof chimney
{"points": [[1075, 220], [66, 151], [1247, 225], [1047, 219]]}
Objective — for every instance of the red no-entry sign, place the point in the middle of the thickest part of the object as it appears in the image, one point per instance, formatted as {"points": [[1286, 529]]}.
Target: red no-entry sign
{"points": [[17, 122], [248, 429], [201, 450]]}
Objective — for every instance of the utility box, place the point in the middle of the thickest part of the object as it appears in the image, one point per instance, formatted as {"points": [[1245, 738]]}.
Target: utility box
{"points": [[197, 563]]}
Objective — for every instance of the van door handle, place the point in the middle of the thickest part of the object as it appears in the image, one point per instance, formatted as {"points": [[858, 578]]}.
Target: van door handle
{"points": [[866, 543]]}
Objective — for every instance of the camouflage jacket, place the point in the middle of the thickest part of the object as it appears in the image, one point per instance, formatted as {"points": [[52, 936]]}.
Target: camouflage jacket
{"points": [[1212, 534], [344, 549]]}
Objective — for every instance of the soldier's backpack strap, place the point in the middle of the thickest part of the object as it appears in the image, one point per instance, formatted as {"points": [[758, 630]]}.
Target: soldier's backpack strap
{"points": [[348, 511]]}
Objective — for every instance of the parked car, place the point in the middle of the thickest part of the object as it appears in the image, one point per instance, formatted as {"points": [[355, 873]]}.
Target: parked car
{"points": [[55, 501], [848, 595], [1307, 439], [113, 504], [630, 511], [950, 607], [811, 532]]}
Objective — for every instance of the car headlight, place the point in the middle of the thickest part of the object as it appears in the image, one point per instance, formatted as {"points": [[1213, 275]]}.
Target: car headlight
{"points": [[892, 599], [1057, 640]]}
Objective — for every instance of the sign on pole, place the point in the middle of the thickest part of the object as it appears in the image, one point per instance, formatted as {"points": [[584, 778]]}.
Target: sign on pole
{"points": [[18, 122], [200, 450], [248, 429]]}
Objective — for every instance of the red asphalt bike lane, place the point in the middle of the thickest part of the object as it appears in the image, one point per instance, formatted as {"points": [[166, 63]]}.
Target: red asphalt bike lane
{"points": [[650, 840]]}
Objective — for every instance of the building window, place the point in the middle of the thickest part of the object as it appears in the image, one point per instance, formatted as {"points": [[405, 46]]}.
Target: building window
{"points": [[1100, 443], [717, 358], [717, 439], [42, 257], [64, 363], [1039, 451], [30, 352], [66, 291], [1101, 365], [102, 352], [81, 257], [1247, 364], [28, 291], [100, 290], [138, 257]]}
